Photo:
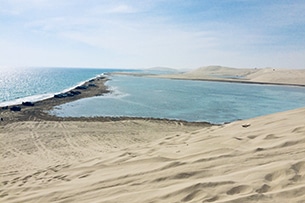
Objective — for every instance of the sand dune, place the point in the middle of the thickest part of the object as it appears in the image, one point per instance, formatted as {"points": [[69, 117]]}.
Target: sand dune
{"points": [[249, 75], [281, 76], [147, 161]]}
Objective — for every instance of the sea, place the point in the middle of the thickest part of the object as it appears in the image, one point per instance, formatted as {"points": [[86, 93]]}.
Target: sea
{"points": [[34, 84], [189, 100]]}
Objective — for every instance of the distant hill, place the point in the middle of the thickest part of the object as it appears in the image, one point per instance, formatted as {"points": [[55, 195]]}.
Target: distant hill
{"points": [[163, 69], [221, 70]]}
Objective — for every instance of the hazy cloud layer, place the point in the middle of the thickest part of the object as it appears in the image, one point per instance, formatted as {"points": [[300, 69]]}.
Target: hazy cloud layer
{"points": [[129, 34]]}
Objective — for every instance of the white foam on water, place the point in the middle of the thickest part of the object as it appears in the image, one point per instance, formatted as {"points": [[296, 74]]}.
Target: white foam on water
{"points": [[33, 98], [115, 93], [40, 97]]}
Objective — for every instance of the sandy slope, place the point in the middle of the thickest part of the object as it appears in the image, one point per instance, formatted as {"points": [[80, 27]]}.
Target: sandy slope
{"points": [[254, 75], [157, 162]]}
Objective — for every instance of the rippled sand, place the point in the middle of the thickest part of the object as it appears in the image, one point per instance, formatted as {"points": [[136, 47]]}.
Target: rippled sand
{"points": [[154, 161]]}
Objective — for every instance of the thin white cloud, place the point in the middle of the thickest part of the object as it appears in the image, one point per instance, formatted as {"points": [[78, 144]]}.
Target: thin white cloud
{"points": [[123, 8]]}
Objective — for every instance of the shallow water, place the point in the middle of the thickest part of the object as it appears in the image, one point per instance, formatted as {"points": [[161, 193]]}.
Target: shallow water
{"points": [[215, 102]]}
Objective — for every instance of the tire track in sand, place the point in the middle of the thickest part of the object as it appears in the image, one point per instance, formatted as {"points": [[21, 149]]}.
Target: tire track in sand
{"points": [[67, 136], [43, 150]]}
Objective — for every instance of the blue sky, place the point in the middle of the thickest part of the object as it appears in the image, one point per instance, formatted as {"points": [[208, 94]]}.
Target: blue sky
{"points": [[183, 34]]}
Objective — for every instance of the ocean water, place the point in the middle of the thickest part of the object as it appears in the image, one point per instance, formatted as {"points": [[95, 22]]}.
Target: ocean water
{"points": [[214, 102], [33, 84]]}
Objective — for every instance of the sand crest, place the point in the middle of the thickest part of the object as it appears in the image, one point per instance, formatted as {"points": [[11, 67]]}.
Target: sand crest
{"points": [[150, 161]]}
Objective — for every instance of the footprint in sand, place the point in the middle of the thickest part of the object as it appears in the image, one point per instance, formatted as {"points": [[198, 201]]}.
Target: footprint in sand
{"points": [[270, 137], [265, 188], [239, 189]]}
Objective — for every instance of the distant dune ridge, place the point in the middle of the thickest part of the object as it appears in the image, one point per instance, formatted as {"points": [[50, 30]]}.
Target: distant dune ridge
{"points": [[163, 69], [255, 75]]}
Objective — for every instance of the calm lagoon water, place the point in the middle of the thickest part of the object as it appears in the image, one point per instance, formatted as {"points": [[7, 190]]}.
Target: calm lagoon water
{"points": [[214, 102]]}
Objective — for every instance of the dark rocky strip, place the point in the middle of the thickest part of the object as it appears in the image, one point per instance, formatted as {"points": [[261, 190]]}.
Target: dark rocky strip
{"points": [[32, 111]]}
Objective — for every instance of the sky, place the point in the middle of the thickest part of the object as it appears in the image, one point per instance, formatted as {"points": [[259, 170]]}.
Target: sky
{"points": [[181, 34]]}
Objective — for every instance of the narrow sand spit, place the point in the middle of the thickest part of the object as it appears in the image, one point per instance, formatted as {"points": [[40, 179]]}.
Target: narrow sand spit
{"points": [[150, 161]]}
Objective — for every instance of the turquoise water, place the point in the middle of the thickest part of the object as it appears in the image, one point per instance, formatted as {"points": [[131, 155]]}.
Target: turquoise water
{"points": [[214, 102], [33, 84]]}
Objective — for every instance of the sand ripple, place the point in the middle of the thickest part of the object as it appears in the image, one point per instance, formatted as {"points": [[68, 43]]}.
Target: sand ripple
{"points": [[149, 161]]}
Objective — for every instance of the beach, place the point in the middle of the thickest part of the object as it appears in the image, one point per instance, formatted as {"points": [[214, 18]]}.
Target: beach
{"points": [[50, 159]]}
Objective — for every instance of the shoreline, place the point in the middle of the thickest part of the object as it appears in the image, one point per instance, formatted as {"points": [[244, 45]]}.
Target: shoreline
{"points": [[34, 111], [240, 81], [94, 87], [263, 76], [38, 111], [211, 79]]}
